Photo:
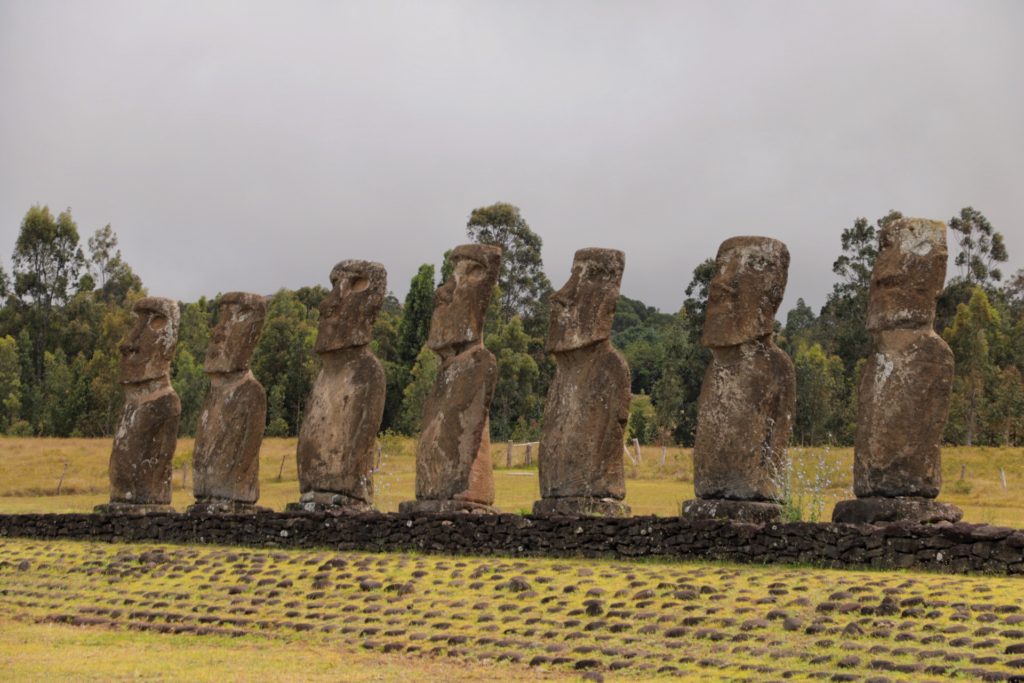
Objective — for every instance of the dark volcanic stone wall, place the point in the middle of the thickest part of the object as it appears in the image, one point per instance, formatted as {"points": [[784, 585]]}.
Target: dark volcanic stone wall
{"points": [[941, 547]]}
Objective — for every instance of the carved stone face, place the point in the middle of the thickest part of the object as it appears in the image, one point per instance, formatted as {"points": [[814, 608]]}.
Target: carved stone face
{"points": [[232, 340], [748, 286], [348, 312], [908, 275], [460, 303], [583, 309], [148, 349]]}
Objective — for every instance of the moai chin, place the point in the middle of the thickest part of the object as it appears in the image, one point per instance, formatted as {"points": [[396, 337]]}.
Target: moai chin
{"points": [[140, 461], [343, 415], [226, 460], [580, 460], [748, 397], [453, 460], [903, 396]]}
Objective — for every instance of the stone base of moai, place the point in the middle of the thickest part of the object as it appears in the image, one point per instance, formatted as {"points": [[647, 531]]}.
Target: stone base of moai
{"points": [[131, 509], [433, 507], [328, 501], [753, 511], [580, 506], [913, 510], [222, 506]]}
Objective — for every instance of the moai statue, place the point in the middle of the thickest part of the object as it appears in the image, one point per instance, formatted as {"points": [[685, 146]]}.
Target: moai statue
{"points": [[903, 397], [748, 398], [140, 461], [453, 458], [585, 415], [344, 411], [226, 460]]}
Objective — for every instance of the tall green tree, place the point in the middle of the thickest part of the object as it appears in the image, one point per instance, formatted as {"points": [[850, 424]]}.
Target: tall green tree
{"points": [[416, 312], [113, 277], [524, 286], [820, 396], [982, 249], [414, 396], [517, 401], [10, 383], [970, 337], [284, 354], [47, 263]]}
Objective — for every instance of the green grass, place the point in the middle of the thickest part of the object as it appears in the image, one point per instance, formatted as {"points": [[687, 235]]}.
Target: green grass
{"points": [[96, 611]]}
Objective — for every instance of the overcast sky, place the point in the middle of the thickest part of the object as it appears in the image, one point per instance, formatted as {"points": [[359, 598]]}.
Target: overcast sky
{"points": [[250, 146]]}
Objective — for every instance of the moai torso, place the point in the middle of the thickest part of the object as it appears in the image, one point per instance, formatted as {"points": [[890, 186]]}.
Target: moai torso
{"points": [[343, 415], [453, 460], [453, 456], [226, 460], [584, 425], [744, 422], [903, 404], [143, 451], [748, 397], [588, 403], [903, 397]]}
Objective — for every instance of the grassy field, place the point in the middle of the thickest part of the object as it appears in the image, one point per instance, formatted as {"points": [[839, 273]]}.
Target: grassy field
{"points": [[98, 611], [31, 469], [92, 611]]}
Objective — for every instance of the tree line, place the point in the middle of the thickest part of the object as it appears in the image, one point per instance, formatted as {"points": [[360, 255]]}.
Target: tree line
{"points": [[66, 305]]}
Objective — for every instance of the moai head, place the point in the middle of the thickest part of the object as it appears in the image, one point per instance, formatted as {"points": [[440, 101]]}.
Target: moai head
{"points": [[148, 349], [348, 312], [750, 279], [908, 276], [240, 319], [583, 309], [461, 301]]}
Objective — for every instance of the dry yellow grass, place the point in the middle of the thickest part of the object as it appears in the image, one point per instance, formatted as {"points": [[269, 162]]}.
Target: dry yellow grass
{"points": [[30, 469]]}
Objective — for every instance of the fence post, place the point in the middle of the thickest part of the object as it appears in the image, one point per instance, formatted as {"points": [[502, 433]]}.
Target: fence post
{"points": [[663, 449], [508, 455], [1002, 477], [60, 484], [529, 454], [280, 470], [963, 470]]}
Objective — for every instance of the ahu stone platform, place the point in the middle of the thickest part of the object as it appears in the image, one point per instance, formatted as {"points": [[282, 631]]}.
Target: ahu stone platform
{"points": [[942, 547]]}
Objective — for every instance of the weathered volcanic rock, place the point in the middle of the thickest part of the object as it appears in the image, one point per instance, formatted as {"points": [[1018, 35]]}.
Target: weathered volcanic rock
{"points": [[460, 303], [744, 422], [225, 464], [903, 402], [453, 460], [903, 396], [915, 510], [335, 451], [748, 286], [584, 421], [580, 460], [453, 463], [748, 397], [908, 275], [140, 460], [752, 511], [345, 408]]}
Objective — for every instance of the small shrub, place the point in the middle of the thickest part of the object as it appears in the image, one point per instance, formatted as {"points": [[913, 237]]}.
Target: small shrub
{"points": [[962, 487], [20, 428], [278, 427]]}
